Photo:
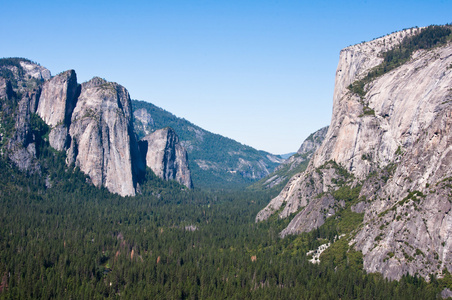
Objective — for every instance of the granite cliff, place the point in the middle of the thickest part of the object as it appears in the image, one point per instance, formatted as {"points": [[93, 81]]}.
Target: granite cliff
{"points": [[391, 141], [166, 156], [56, 104], [92, 123], [103, 143], [20, 89]]}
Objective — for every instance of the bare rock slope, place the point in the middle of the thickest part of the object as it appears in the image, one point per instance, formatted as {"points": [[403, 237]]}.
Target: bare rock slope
{"points": [[395, 141], [103, 143], [166, 156], [57, 101], [91, 122]]}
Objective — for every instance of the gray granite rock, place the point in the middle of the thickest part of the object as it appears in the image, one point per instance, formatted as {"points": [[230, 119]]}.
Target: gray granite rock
{"points": [[102, 141], [166, 156], [57, 101], [395, 140]]}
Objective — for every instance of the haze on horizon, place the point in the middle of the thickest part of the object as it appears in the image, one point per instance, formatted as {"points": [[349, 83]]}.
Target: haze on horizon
{"points": [[259, 72]]}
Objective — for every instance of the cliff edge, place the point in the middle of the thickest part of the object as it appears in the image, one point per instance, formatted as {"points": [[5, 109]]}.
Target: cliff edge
{"points": [[392, 141]]}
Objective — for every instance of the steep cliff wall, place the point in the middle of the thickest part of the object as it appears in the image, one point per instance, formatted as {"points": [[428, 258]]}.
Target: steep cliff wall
{"points": [[20, 89], [57, 101], [91, 122], [394, 140], [21, 147], [166, 156], [102, 136]]}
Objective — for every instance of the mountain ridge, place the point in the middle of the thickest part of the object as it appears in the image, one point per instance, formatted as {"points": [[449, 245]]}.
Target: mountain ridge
{"points": [[94, 123], [91, 123], [215, 161], [294, 164]]}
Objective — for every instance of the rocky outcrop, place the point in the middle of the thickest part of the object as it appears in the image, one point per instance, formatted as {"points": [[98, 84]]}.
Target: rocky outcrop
{"points": [[166, 156], [6, 90], [21, 147], [57, 101], [19, 94], [33, 70], [299, 192], [103, 143], [24, 75], [92, 122], [143, 121], [395, 141], [312, 143]]}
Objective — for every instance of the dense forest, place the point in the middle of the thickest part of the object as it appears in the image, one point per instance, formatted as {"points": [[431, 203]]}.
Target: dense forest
{"points": [[62, 238]]}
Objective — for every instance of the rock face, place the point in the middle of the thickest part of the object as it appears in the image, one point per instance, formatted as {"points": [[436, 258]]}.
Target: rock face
{"points": [[396, 142], [19, 93], [57, 101], [312, 143], [166, 156], [144, 121], [35, 71], [92, 122], [22, 145], [103, 143]]}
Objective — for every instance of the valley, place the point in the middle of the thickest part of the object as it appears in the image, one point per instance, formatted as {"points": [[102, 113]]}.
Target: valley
{"points": [[103, 196]]}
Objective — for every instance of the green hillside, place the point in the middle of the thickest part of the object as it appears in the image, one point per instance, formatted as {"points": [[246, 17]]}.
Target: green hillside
{"points": [[216, 162], [296, 163]]}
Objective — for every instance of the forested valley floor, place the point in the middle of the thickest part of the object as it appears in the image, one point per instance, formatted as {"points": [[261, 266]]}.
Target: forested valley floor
{"points": [[62, 238]]}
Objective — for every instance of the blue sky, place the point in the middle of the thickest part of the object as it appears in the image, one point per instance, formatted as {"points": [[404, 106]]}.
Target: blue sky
{"points": [[260, 72]]}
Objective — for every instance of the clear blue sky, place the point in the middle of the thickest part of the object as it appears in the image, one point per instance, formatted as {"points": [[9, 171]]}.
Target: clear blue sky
{"points": [[260, 72]]}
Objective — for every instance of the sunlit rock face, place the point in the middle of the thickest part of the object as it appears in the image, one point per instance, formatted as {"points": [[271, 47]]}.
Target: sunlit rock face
{"points": [[166, 156], [91, 122], [394, 140], [57, 101], [102, 138]]}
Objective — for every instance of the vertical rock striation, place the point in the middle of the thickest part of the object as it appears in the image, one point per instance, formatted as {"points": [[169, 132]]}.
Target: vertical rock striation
{"points": [[102, 137], [57, 101], [92, 122], [396, 142], [22, 144], [20, 90], [166, 156]]}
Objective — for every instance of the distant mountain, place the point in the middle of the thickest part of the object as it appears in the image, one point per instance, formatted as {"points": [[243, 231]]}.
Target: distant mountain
{"points": [[98, 128], [215, 161], [287, 155], [296, 163]]}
